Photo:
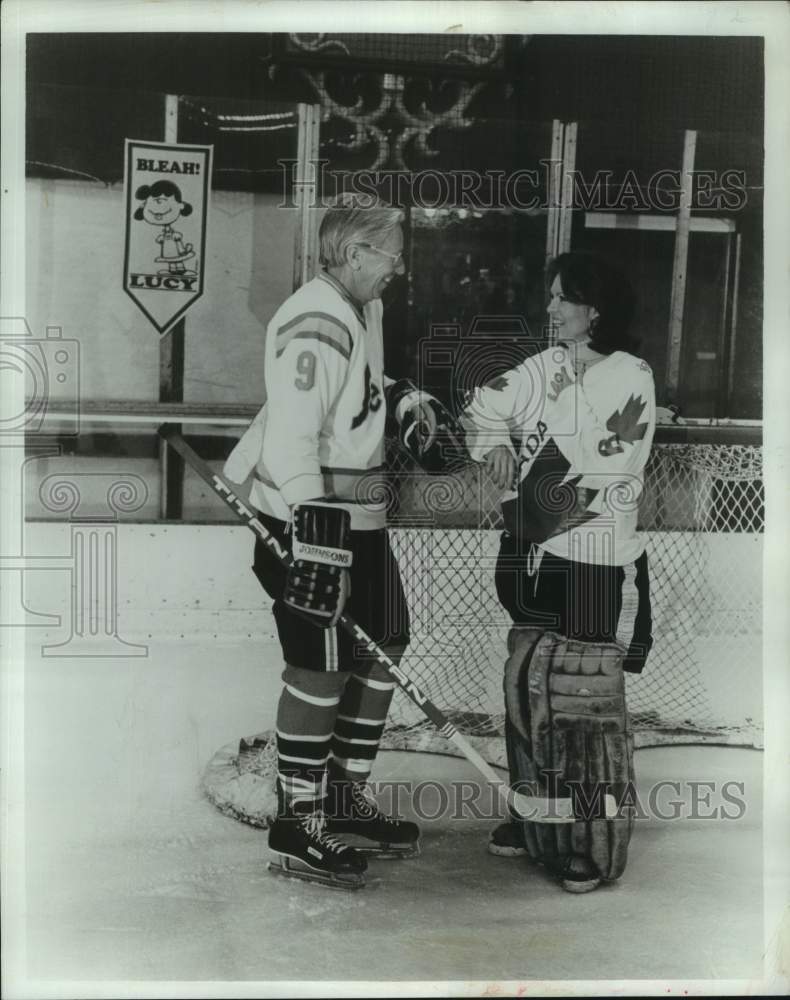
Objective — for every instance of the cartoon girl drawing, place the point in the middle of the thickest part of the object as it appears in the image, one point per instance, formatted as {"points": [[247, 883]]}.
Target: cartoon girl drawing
{"points": [[162, 205]]}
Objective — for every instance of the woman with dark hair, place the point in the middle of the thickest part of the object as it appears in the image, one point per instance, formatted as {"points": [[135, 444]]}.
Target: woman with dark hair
{"points": [[582, 279], [566, 435]]}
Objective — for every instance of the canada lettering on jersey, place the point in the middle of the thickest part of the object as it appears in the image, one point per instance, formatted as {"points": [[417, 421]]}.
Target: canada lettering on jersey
{"points": [[533, 442], [548, 500], [578, 443], [574, 442]]}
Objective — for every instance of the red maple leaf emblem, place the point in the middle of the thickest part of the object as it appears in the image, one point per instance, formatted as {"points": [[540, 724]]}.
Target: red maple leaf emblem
{"points": [[626, 424], [625, 427]]}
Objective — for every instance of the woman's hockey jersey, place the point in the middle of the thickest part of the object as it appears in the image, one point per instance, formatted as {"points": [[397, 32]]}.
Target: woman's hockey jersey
{"points": [[581, 451], [320, 433]]}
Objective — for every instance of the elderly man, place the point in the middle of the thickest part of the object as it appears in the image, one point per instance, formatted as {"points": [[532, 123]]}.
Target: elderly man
{"points": [[317, 448]]}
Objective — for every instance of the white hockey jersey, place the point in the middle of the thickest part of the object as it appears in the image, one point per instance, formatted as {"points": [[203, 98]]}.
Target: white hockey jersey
{"points": [[581, 451], [321, 430]]}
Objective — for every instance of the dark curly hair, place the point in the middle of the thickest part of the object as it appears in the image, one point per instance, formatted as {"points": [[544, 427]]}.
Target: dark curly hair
{"points": [[590, 281], [166, 188]]}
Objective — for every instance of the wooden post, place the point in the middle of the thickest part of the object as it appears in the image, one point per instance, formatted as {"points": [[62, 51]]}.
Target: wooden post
{"points": [[736, 277], [554, 190], [721, 341], [171, 376], [568, 170], [679, 268], [554, 198], [305, 195]]}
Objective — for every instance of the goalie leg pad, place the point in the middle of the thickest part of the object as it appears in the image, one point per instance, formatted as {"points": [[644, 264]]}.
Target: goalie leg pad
{"points": [[567, 728], [524, 771]]}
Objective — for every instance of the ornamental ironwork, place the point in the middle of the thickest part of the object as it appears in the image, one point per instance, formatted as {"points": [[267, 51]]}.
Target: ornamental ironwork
{"points": [[396, 51], [429, 84], [404, 127]]}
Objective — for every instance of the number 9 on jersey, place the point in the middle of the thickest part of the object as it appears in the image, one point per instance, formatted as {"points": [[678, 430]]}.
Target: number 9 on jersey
{"points": [[305, 367]]}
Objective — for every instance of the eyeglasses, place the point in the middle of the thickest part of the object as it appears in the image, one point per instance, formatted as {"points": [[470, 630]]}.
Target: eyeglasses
{"points": [[396, 258]]}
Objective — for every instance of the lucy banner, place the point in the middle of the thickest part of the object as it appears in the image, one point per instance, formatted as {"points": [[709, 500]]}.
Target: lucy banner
{"points": [[167, 190]]}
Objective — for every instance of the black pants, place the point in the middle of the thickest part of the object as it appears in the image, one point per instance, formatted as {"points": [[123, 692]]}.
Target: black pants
{"points": [[377, 603], [582, 601]]}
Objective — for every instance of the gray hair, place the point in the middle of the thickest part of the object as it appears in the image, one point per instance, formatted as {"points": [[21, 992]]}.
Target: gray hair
{"points": [[355, 218]]}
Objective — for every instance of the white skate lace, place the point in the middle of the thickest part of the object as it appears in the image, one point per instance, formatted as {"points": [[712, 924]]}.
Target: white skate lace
{"points": [[367, 805], [314, 826]]}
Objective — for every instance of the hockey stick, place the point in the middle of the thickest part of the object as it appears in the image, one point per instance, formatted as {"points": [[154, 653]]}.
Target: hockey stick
{"points": [[537, 809]]}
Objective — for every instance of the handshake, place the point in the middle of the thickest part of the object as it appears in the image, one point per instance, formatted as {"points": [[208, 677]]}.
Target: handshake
{"points": [[318, 582], [428, 431]]}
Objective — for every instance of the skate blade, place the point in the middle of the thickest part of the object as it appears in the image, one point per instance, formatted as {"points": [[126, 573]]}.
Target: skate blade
{"points": [[500, 851], [386, 852], [287, 868], [579, 887]]}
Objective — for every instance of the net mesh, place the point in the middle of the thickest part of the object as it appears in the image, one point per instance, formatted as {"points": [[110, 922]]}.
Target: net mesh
{"points": [[703, 513]]}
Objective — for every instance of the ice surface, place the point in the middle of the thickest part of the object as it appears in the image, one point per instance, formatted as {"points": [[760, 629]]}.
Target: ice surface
{"points": [[132, 875]]}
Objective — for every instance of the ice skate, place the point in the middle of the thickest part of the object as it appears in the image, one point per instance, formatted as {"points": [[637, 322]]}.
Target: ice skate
{"points": [[352, 810], [576, 873], [305, 851], [507, 841]]}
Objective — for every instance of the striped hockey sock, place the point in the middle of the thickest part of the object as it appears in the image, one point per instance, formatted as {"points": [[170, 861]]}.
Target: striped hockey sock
{"points": [[305, 722], [360, 722]]}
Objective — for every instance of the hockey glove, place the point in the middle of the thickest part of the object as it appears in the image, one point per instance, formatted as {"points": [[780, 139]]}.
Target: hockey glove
{"points": [[428, 431], [318, 584]]}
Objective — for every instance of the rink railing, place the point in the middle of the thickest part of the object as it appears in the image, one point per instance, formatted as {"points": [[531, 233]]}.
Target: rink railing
{"points": [[151, 414]]}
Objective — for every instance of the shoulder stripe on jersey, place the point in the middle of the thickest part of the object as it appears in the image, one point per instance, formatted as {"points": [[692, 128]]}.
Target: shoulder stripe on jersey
{"points": [[344, 295], [323, 338], [315, 315], [317, 325]]}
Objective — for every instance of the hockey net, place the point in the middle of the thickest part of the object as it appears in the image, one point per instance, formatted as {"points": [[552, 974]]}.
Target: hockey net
{"points": [[702, 512]]}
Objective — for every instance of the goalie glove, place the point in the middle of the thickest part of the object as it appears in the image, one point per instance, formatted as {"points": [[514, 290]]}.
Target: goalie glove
{"points": [[428, 431], [669, 414], [318, 584]]}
